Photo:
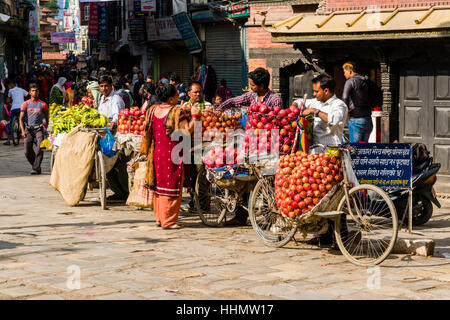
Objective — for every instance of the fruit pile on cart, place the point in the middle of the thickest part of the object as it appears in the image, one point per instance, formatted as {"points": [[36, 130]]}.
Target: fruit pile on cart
{"points": [[294, 186]]}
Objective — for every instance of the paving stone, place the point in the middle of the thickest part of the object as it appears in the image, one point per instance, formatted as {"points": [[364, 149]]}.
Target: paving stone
{"points": [[97, 291], [421, 247], [119, 296], [20, 292], [47, 297], [130, 286]]}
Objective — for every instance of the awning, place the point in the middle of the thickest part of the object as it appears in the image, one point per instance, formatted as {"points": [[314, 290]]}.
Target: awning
{"points": [[397, 24], [120, 46]]}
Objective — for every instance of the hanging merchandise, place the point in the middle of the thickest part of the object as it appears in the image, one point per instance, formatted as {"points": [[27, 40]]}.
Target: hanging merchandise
{"points": [[179, 6]]}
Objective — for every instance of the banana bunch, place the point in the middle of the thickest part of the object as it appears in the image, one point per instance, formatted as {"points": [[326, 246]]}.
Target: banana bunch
{"points": [[67, 120]]}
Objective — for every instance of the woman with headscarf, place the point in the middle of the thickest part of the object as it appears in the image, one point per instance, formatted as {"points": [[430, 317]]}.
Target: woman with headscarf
{"points": [[93, 90], [58, 91]]}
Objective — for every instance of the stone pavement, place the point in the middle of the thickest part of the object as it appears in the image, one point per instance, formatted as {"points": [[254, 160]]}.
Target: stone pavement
{"points": [[45, 246]]}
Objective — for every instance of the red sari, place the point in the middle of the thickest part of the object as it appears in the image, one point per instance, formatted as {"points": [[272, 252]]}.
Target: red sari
{"points": [[169, 176]]}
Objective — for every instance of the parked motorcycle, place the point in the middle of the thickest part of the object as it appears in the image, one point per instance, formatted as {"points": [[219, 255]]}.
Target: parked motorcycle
{"points": [[423, 179]]}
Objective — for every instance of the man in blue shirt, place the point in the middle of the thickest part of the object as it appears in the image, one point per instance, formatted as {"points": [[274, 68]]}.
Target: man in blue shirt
{"points": [[176, 81]]}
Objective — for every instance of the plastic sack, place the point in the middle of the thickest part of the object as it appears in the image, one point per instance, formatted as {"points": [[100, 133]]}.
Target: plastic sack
{"points": [[107, 144]]}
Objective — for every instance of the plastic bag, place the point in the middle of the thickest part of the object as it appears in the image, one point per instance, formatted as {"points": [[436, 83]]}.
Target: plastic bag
{"points": [[107, 144]]}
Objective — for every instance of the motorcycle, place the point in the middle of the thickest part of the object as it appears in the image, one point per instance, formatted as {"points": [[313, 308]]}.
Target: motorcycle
{"points": [[423, 179]]}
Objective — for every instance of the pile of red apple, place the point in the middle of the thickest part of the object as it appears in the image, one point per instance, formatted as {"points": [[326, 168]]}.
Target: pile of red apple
{"points": [[262, 117], [302, 180], [131, 121], [215, 119], [219, 157]]}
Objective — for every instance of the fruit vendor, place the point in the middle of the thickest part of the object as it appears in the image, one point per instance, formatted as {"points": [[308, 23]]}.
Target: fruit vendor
{"points": [[110, 105], [258, 80], [330, 116], [330, 113], [195, 94]]}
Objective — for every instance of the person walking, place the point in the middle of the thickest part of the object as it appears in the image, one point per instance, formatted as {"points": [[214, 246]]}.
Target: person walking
{"points": [[136, 96], [36, 111], [360, 95], [174, 79], [93, 92], [16, 97], [164, 176], [119, 88], [58, 92]]}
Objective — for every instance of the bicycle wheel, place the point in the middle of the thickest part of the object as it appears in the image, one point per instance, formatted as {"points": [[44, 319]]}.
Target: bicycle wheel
{"points": [[367, 237], [267, 221], [101, 179], [211, 201], [16, 132]]}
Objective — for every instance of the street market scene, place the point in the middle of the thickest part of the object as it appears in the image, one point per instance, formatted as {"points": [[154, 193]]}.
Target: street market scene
{"points": [[224, 150]]}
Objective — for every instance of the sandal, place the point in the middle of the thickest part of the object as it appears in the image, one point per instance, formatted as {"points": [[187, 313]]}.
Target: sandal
{"points": [[158, 224], [174, 226]]}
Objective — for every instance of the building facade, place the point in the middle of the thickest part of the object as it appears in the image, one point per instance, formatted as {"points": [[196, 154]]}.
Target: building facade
{"points": [[403, 47]]}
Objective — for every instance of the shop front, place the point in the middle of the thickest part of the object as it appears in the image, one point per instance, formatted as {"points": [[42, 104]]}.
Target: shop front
{"points": [[405, 52]]}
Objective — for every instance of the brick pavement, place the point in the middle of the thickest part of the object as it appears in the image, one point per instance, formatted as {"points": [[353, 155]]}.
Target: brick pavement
{"points": [[121, 254]]}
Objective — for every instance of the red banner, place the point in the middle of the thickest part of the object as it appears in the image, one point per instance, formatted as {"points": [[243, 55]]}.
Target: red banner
{"points": [[93, 19]]}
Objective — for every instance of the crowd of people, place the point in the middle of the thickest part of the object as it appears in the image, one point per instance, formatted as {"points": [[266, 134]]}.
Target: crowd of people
{"points": [[164, 101]]}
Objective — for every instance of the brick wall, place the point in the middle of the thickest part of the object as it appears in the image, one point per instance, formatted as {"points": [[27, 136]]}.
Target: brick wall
{"points": [[258, 38], [333, 5]]}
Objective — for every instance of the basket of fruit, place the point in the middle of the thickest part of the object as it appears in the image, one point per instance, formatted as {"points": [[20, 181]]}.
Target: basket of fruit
{"points": [[131, 121], [307, 183]]}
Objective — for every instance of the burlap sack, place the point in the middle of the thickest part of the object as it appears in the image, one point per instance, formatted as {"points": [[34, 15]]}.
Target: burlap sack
{"points": [[140, 196], [73, 164]]}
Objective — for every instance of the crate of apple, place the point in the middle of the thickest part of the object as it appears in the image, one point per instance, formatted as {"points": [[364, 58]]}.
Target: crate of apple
{"points": [[302, 180], [262, 118], [131, 121]]}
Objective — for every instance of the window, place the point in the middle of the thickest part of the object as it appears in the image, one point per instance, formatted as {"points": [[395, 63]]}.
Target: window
{"points": [[86, 12]]}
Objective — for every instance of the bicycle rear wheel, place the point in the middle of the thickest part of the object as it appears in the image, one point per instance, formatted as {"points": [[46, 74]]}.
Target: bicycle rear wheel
{"points": [[268, 223], [367, 237], [211, 201], [16, 131]]}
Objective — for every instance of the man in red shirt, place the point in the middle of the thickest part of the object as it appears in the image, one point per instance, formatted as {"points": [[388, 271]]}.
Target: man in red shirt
{"points": [[36, 111]]}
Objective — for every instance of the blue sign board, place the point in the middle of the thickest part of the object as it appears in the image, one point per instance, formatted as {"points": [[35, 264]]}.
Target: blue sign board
{"points": [[184, 26], [383, 165], [103, 23]]}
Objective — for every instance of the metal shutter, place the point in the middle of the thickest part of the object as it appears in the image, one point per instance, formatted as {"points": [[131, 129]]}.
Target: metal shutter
{"points": [[179, 62], [224, 54]]}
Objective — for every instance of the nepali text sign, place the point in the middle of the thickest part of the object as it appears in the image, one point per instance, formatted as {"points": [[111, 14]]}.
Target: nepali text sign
{"points": [[103, 23], [166, 29], [62, 37], [93, 20], [184, 26], [383, 165]]}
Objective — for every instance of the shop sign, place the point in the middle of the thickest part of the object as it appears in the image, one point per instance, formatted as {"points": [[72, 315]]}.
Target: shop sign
{"points": [[185, 28], [166, 29], [383, 165], [238, 11], [137, 29], [103, 23], [93, 20], [148, 5], [62, 37]]}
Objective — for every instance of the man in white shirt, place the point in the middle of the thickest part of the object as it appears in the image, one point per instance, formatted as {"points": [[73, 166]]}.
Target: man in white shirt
{"points": [[110, 103], [330, 116], [16, 96], [330, 113]]}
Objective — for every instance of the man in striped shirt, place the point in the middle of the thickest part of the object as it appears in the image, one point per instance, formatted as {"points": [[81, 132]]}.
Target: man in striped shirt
{"points": [[258, 80]]}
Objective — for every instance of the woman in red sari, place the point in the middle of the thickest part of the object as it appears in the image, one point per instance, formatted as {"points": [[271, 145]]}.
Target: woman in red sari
{"points": [[164, 176]]}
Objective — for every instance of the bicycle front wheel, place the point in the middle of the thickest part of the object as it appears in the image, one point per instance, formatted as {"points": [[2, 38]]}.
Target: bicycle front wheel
{"points": [[367, 235]]}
